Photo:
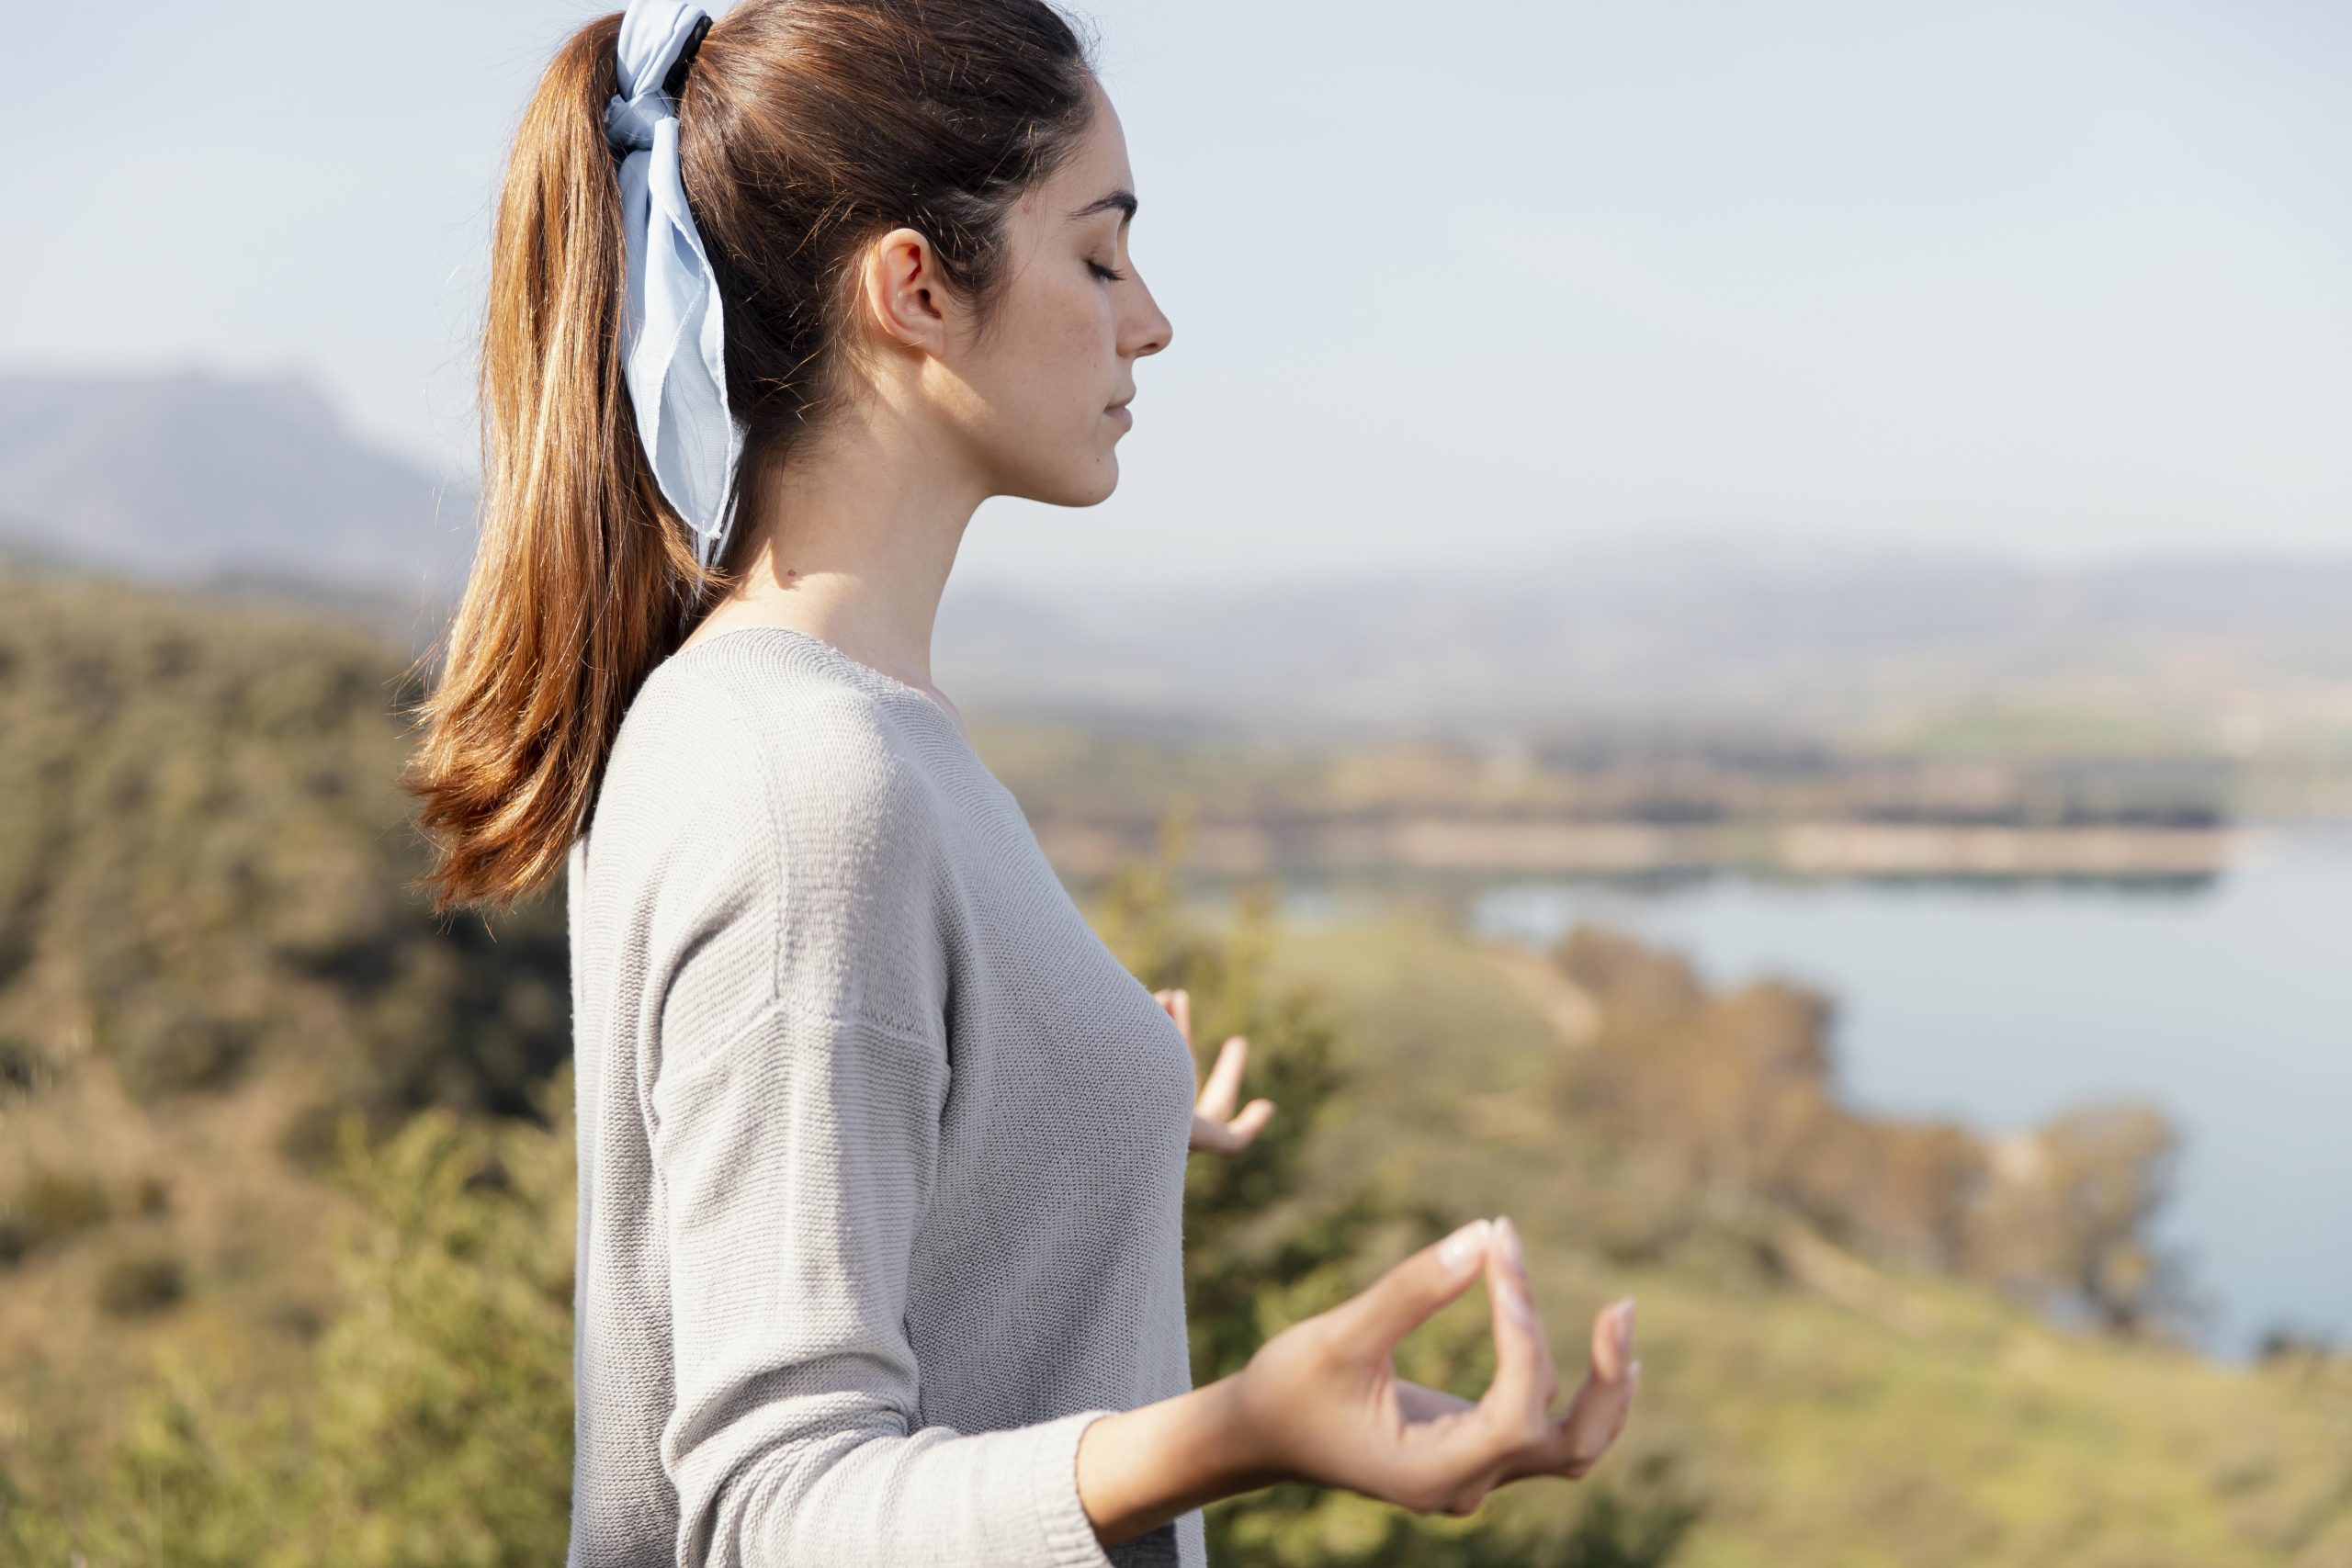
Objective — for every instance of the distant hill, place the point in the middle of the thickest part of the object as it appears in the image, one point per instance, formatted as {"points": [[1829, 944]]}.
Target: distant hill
{"points": [[256, 487], [198, 478], [1696, 633]]}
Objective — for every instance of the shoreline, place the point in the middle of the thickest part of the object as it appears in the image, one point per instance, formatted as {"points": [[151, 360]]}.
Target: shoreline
{"points": [[1831, 848]]}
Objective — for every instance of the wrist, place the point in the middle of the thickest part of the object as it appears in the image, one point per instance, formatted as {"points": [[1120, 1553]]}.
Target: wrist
{"points": [[1247, 1457], [1140, 1468]]}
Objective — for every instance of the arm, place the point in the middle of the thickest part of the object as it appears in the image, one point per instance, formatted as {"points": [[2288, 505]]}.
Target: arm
{"points": [[792, 1087], [1142, 1467], [796, 1156]]}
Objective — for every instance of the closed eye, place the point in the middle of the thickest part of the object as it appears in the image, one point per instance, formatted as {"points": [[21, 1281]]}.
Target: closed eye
{"points": [[1111, 273]]}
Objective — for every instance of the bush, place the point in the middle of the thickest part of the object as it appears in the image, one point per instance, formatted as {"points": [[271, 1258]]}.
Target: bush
{"points": [[141, 1282], [51, 1207], [23, 1069]]}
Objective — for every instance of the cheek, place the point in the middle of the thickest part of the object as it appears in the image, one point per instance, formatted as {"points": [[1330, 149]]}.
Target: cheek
{"points": [[1074, 336], [1057, 341]]}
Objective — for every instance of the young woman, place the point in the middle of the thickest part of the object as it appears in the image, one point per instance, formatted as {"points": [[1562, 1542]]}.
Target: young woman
{"points": [[881, 1151]]}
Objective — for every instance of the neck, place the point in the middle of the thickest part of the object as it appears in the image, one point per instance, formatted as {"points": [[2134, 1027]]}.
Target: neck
{"points": [[852, 542]]}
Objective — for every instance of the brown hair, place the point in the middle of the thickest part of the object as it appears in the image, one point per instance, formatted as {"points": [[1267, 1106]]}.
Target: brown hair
{"points": [[806, 130]]}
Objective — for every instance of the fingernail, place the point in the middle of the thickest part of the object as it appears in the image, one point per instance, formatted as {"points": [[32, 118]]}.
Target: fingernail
{"points": [[1624, 1330], [1457, 1250], [1509, 1233]]}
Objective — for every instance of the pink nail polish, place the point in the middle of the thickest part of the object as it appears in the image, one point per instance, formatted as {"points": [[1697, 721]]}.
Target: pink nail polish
{"points": [[1511, 1242], [1521, 1307], [1456, 1250]]}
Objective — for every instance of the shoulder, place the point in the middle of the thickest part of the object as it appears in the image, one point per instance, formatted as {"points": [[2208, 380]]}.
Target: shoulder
{"points": [[750, 733], [772, 826]]}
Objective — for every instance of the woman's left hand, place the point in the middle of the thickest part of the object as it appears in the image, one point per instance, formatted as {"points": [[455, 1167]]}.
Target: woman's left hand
{"points": [[1214, 1125]]}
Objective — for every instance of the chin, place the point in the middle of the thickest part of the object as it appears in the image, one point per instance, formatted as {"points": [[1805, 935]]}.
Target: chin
{"points": [[1105, 481], [1089, 489]]}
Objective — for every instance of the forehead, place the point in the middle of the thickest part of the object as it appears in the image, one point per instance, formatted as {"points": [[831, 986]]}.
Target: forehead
{"points": [[1097, 163]]}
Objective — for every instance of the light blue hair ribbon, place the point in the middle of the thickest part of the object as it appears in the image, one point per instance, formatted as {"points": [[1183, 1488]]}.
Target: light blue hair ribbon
{"points": [[672, 336]]}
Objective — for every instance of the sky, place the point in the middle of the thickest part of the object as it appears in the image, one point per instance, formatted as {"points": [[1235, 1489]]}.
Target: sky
{"points": [[1453, 287]]}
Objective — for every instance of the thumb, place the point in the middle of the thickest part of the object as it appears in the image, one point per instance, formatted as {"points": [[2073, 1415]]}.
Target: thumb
{"points": [[1372, 1320]]}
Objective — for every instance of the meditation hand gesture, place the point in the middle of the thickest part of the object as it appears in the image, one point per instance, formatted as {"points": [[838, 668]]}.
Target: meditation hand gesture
{"points": [[1215, 1126], [1322, 1402]]}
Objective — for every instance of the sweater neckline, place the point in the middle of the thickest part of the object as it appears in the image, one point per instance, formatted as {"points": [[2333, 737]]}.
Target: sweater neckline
{"points": [[858, 669]]}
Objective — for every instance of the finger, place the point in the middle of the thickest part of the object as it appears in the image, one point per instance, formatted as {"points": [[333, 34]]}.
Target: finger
{"points": [[1582, 1437], [1226, 1137], [1182, 1010], [1225, 1079], [1254, 1115], [1613, 1339], [1543, 1339], [1632, 1388], [1598, 1411], [1208, 1133], [1524, 1385], [1371, 1322]]}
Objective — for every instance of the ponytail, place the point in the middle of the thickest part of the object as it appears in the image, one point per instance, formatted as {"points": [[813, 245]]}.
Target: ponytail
{"points": [[580, 583]]}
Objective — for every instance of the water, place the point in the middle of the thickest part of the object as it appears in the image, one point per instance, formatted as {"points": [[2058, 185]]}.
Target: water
{"points": [[2229, 1007]]}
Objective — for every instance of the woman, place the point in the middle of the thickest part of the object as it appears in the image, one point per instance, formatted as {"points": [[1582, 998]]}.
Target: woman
{"points": [[881, 1151]]}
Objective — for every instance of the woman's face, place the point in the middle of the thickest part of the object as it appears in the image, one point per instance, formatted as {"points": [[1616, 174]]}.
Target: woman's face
{"points": [[1039, 397]]}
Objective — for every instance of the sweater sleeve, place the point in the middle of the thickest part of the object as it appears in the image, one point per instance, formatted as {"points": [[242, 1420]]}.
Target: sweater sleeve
{"points": [[795, 1150]]}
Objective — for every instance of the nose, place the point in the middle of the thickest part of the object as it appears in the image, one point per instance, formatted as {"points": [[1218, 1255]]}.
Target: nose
{"points": [[1149, 329]]}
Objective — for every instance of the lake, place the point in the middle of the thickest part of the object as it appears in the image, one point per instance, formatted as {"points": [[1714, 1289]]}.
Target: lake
{"points": [[2227, 1005]]}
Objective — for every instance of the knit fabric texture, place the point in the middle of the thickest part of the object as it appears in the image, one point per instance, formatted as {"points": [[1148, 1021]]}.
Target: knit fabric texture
{"points": [[881, 1149]]}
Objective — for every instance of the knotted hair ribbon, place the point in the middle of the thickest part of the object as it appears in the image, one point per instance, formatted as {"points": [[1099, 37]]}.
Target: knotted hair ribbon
{"points": [[672, 330]]}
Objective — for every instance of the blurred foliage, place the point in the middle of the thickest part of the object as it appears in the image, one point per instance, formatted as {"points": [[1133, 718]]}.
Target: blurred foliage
{"points": [[47, 1207], [204, 859], [143, 1280], [431, 1423]]}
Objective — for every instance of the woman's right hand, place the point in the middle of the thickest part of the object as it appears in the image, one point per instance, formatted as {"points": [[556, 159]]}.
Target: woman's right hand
{"points": [[1321, 1400]]}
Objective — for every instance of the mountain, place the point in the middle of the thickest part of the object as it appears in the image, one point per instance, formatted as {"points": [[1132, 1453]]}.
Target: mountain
{"points": [[257, 485], [1695, 632], [238, 483]]}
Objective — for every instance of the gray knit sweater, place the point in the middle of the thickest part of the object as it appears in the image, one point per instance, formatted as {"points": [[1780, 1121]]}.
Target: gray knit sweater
{"points": [[881, 1150]]}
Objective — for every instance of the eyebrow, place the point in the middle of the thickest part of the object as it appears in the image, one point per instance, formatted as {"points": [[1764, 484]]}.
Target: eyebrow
{"points": [[1121, 200]]}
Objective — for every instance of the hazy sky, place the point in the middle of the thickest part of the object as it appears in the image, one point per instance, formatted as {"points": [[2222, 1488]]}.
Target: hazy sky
{"points": [[1451, 285]]}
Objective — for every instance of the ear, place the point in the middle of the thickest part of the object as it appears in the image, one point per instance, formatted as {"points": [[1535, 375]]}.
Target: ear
{"points": [[904, 292]]}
